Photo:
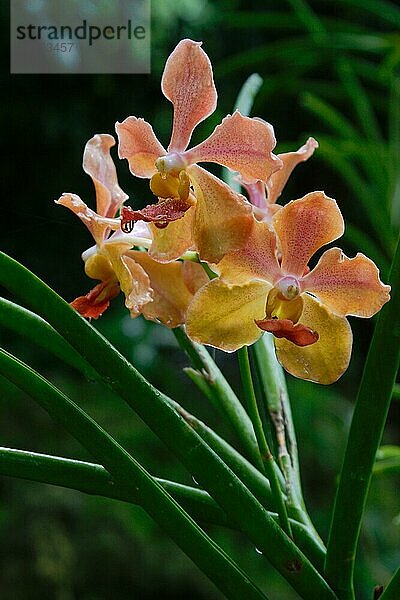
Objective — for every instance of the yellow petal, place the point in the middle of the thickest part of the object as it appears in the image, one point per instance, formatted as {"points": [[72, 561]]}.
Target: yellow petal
{"points": [[171, 294], [303, 227], [188, 83], [133, 279], [223, 315], [98, 266], [327, 359], [172, 241], [256, 259], [223, 218], [348, 286]]}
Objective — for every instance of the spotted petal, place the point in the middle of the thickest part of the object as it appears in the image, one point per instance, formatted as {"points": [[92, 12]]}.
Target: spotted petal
{"points": [[303, 226], [256, 259], [171, 242], [223, 315], [242, 144], [348, 286], [223, 218], [327, 359], [139, 145], [290, 160], [134, 282], [170, 292], [97, 163], [188, 83], [97, 227]]}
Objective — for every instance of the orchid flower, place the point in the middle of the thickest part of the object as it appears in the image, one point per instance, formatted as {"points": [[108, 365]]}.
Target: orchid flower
{"points": [[159, 292], [305, 310], [240, 143], [263, 195]]}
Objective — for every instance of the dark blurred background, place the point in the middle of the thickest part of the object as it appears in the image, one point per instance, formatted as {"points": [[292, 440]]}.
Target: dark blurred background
{"points": [[330, 70]]}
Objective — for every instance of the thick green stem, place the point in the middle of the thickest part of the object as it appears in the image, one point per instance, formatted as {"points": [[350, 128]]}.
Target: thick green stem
{"points": [[22, 321], [266, 455], [94, 479], [223, 394], [152, 407], [276, 397], [365, 435], [136, 480]]}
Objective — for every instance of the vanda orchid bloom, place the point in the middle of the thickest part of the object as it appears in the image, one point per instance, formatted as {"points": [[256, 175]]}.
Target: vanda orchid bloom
{"points": [[263, 195], [214, 219], [159, 292], [305, 310]]}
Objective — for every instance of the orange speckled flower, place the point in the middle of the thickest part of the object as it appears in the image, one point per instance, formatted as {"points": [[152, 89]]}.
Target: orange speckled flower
{"points": [[305, 310], [240, 143], [263, 195], [159, 292]]}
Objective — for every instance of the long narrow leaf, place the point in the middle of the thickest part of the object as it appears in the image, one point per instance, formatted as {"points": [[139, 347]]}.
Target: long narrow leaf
{"points": [[153, 408], [211, 559], [94, 479], [369, 415], [29, 325], [391, 592]]}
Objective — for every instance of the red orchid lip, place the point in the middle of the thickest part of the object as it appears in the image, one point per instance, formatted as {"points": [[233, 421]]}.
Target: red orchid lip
{"points": [[298, 334]]}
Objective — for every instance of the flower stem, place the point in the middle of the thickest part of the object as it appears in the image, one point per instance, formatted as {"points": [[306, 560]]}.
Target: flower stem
{"points": [[266, 455], [221, 391]]}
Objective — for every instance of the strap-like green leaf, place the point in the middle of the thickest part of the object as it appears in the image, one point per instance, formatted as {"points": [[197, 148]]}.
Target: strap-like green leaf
{"points": [[369, 417], [208, 469]]}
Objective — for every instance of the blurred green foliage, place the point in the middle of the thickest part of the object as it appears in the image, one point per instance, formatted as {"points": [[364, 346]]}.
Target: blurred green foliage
{"points": [[331, 70]]}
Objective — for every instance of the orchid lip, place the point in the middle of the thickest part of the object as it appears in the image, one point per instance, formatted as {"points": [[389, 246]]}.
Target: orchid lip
{"points": [[288, 286], [172, 163]]}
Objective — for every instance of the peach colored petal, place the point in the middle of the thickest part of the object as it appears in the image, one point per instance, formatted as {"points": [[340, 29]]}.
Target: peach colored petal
{"points": [[223, 315], [256, 259], [348, 286], [188, 83], [193, 276], [171, 295], [298, 334], [223, 218], [92, 220], [134, 282], [172, 241], [256, 192], [327, 359], [99, 165], [94, 303], [303, 226], [242, 144], [290, 160], [139, 145]]}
